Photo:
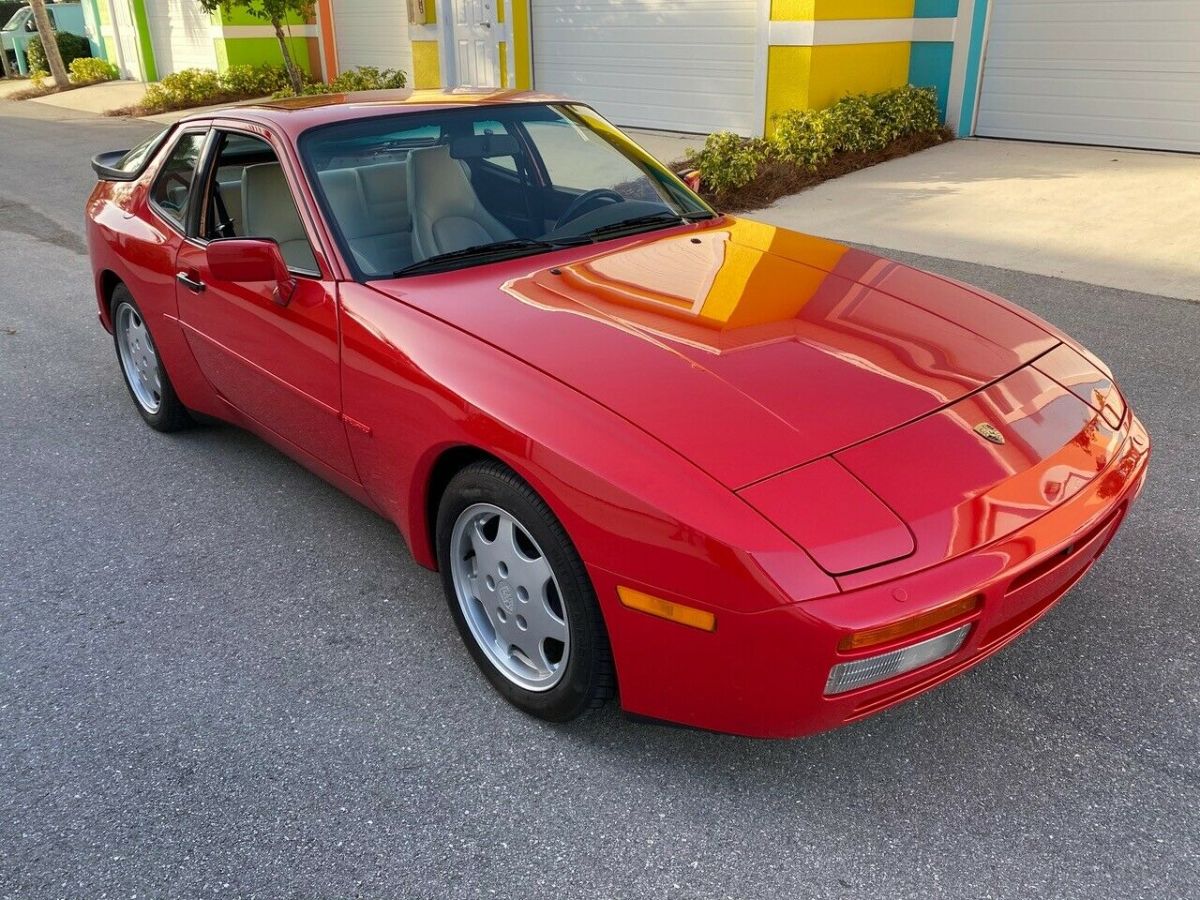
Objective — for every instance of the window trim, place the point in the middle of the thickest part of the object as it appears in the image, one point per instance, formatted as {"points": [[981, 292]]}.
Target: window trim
{"points": [[209, 172], [183, 228]]}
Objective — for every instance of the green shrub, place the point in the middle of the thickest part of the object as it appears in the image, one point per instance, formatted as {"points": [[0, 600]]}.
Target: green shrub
{"points": [[71, 46], [89, 70], [728, 162], [854, 124], [253, 81], [806, 137], [179, 90], [368, 78], [203, 87], [362, 78], [906, 110]]}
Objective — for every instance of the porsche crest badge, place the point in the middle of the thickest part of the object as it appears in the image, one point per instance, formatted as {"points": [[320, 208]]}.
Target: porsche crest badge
{"points": [[989, 432]]}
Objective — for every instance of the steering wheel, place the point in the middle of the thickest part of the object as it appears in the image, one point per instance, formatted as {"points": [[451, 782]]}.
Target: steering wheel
{"points": [[575, 210]]}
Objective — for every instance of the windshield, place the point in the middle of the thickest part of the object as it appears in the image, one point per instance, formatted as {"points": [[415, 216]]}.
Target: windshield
{"points": [[423, 192]]}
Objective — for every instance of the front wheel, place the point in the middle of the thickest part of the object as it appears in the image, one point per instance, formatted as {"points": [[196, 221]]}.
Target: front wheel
{"points": [[144, 374], [520, 595]]}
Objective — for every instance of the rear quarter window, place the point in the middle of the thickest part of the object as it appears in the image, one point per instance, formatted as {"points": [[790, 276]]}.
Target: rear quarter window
{"points": [[135, 159]]}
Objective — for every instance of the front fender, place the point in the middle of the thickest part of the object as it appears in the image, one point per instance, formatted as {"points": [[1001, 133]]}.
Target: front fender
{"points": [[415, 386]]}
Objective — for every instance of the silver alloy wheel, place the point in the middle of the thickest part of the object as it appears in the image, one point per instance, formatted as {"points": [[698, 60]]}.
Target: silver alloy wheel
{"points": [[138, 358], [509, 596]]}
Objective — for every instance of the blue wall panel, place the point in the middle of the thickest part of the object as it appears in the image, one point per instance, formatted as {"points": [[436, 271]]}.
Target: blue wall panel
{"points": [[929, 66], [936, 9]]}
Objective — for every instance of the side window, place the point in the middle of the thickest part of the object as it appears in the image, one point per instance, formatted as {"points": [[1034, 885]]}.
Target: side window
{"points": [[135, 159], [172, 190], [249, 196]]}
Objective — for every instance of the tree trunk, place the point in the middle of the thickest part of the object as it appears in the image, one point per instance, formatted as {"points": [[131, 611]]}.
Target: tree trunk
{"points": [[293, 71], [49, 43]]}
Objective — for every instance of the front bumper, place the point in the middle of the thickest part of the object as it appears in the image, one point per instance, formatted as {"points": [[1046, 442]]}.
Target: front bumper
{"points": [[764, 674]]}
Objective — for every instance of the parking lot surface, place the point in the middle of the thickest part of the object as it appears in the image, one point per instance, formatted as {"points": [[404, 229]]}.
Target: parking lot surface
{"points": [[221, 677]]}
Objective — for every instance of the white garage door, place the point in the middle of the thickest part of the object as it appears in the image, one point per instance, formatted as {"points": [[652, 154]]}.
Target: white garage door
{"points": [[181, 32], [678, 65], [370, 33], [1111, 72]]}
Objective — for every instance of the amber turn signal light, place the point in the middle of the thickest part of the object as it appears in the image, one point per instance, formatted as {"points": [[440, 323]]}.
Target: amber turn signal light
{"points": [[913, 624], [665, 609]]}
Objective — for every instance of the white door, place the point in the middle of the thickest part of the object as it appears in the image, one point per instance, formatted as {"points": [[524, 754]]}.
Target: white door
{"points": [[181, 33], [676, 65], [1111, 72], [129, 59], [476, 44], [370, 33]]}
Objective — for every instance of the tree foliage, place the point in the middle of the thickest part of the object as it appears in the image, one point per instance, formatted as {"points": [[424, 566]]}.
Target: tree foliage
{"points": [[49, 44], [277, 12]]}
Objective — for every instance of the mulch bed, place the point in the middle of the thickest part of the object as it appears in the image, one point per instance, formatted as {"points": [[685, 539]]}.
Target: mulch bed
{"points": [[30, 93], [779, 179]]}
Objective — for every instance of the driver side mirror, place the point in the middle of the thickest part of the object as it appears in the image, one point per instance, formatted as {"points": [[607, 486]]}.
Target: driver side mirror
{"points": [[251, 259]]}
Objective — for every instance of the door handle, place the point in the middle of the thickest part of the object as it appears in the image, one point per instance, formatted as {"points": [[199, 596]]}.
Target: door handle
{"points": [[194, 285]]}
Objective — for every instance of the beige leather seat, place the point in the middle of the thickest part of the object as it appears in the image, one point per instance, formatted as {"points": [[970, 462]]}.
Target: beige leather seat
{"points": [[446, 211], [378, 232], [231, 197], [385, 190], [269, 212]]}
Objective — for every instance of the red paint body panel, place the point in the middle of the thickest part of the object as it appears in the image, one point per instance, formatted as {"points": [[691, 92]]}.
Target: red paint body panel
{"points": [[279, 365], [957, 491], [684, 338], [1082, 378], [772, 427], [764, 674], [798, 501]]}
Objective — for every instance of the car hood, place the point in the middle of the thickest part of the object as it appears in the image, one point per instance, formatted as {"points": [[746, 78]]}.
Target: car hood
{"points": [[749, 349]]}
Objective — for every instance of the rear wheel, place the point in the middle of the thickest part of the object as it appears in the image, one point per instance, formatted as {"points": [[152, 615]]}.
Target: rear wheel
{"points": [[520, 595], [144, 374]]}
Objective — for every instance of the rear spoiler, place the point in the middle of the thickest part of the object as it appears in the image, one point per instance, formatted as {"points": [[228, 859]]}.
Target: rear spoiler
{"points": [[104, 165], [107, 166]]}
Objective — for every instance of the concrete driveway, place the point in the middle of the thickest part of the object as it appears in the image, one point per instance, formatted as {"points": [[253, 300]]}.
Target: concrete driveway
{"points": [[1120, 218]]}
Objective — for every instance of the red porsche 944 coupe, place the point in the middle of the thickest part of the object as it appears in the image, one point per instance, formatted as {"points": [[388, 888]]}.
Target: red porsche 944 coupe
{"points": [[758, 482]]}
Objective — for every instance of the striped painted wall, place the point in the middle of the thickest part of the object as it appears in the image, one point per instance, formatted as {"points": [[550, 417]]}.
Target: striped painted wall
{"points": [[821, 50]]}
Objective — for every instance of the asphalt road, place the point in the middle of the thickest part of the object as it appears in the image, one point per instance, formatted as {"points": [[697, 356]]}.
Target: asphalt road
{"points": [[221, 677]]}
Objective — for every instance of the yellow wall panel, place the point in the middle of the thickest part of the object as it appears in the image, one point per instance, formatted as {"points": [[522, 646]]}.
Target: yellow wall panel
{"points": [[521, 49], [793, 10], [815, 77], [427, 71], [841, 69], [807, 10], [789, 70]]}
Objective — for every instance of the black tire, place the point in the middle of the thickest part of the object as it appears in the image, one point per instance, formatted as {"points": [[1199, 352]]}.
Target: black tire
{"points": [[170, 415], [588, 680]]}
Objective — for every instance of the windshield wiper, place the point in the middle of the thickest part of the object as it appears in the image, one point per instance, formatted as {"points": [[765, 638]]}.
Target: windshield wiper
{"points": [[658, 218], [482, 252]]}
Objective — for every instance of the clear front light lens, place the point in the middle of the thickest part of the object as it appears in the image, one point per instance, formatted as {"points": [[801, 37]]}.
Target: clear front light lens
{"points": [[850, 675]]}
